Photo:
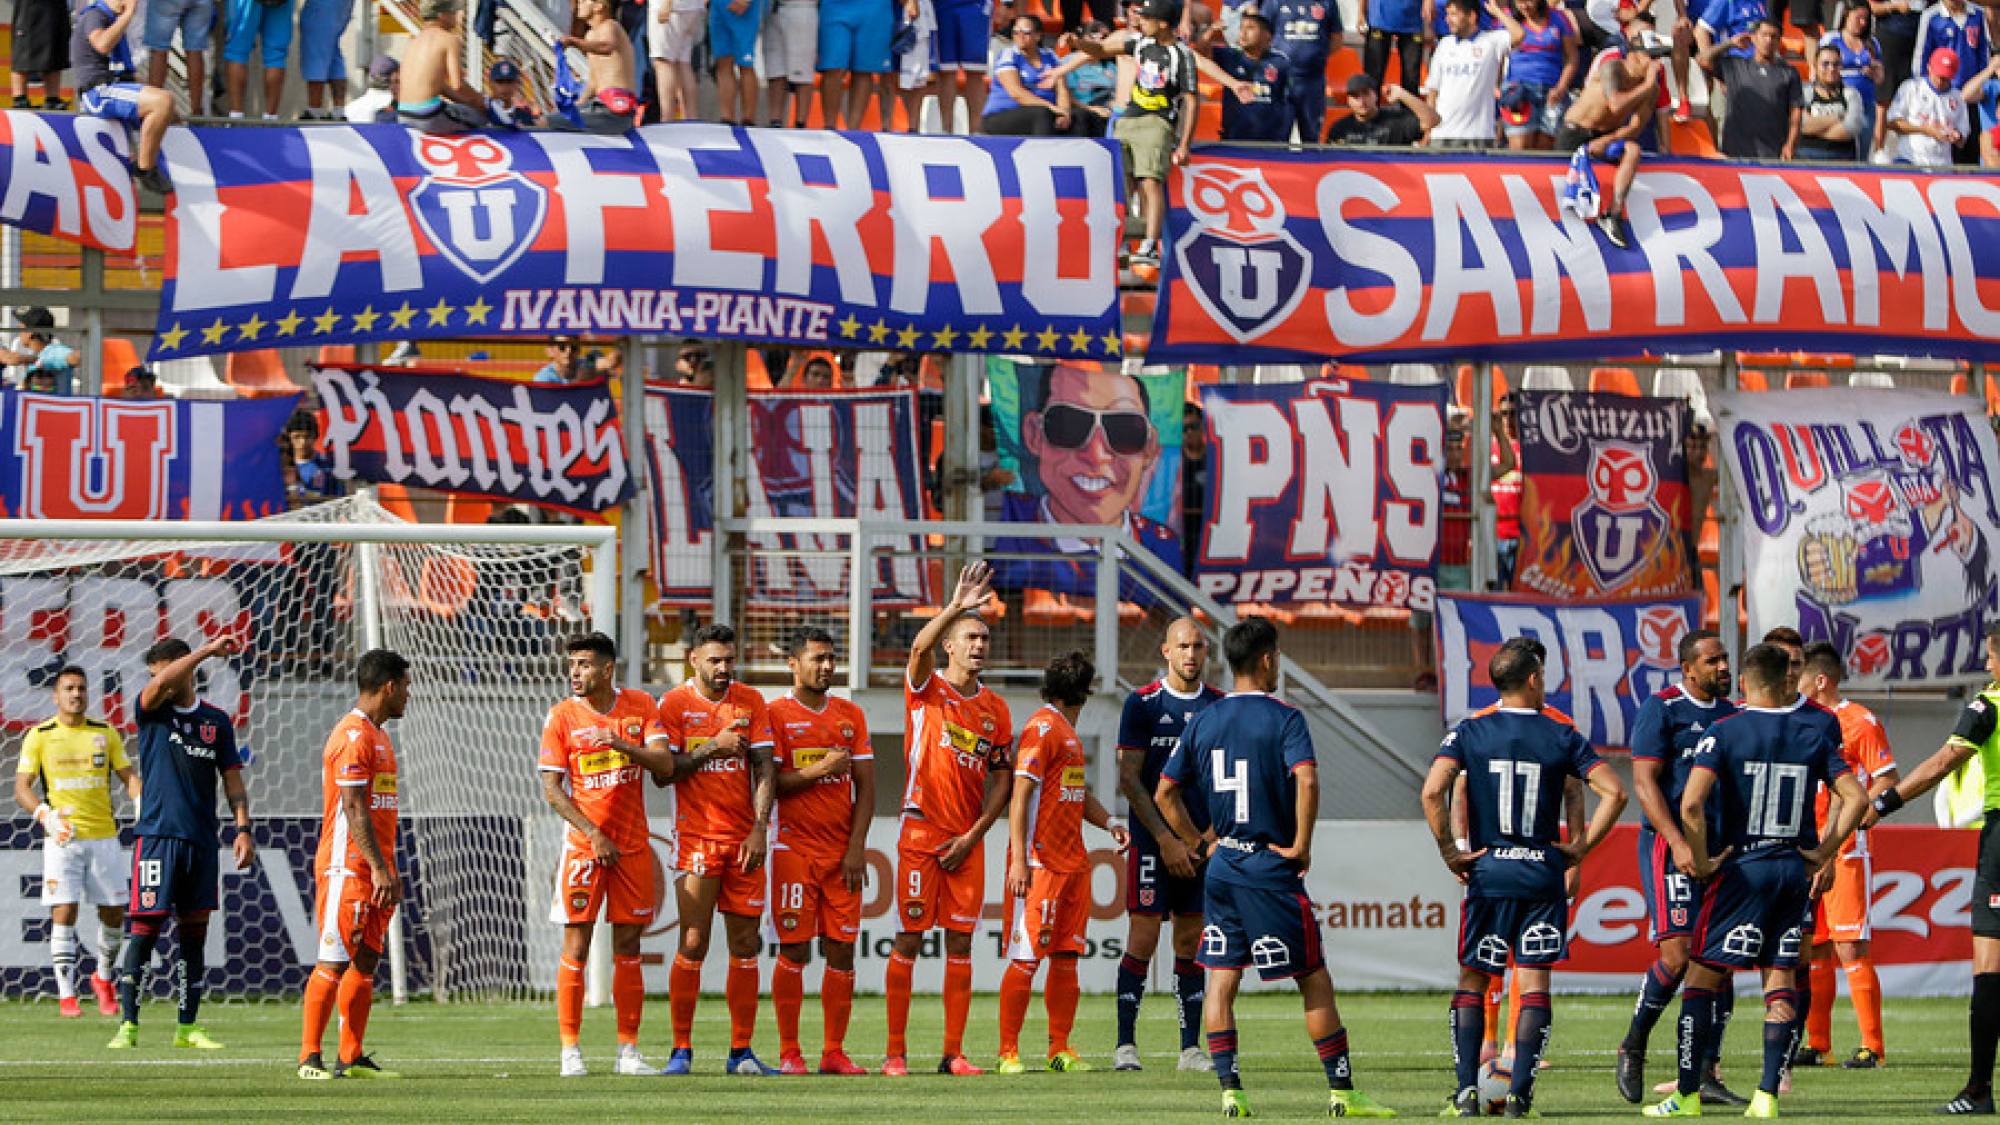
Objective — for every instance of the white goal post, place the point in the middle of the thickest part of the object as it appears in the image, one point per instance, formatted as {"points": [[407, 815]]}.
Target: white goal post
{"points": [[481, 611]]}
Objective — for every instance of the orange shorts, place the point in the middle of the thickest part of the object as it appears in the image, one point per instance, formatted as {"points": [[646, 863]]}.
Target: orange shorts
{"points": [[1053, 916], [1843, 910], [349, 921], [926, 894], [809, 898], [703, 858], [626, 893]]}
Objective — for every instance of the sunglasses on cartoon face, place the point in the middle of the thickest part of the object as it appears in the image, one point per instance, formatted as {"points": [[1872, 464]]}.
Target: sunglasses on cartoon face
{"points": [[1070, 427]]}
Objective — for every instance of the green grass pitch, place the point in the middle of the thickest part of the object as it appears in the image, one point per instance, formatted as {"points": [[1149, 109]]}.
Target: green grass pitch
{"points": [[496, 1062]]}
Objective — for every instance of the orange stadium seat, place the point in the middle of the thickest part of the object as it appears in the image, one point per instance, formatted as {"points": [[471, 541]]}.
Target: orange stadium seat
{"points": [[117, 357], [336, 353], [1614, 381], [258, 374], [1798, 379], [1751, 379], [1960, 383]]}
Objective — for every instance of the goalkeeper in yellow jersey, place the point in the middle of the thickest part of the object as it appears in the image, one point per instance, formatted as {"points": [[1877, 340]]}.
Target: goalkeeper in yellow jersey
{"points": [[74, 757]]}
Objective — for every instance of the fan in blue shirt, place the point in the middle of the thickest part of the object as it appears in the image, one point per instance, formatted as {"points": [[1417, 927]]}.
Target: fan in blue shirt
{"points": [[1305, 33], [1268, 116], [1764, 765], [187, 748], [1249, 759], [1518, 758]]}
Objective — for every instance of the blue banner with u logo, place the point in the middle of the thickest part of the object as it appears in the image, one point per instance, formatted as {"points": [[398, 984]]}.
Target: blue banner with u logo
{"points": [[336, 233]]}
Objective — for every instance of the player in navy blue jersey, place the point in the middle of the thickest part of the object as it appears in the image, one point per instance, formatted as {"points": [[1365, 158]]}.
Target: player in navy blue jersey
{"points": [[1762, 766], [1249, 759], [1517, 759], [1162, 877], [186, 747], [1664, 735]]}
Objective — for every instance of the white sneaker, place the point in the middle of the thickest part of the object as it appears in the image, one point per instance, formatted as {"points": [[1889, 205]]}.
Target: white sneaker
{"points": [[1126, 1057], [631, 1062], [572, 1063], [1194, 1058]]}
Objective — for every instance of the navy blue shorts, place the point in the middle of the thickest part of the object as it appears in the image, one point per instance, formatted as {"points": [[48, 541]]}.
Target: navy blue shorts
{"points": [[174, 876], [1755, 915], [1151, 889], [1672, 899], [1530, 931], [1274, 931]]}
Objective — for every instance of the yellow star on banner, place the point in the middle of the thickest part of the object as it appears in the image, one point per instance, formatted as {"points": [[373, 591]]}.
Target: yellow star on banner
{"points": [[1112, 342], [943, 338], [849, 327], [1079, 341], [250, 328], [907, 338], [1045, 340], [1010, 340], [364, 321], [439, 313], [288, 324], [977, 339], [400, 319], [170, 340], [878, 332], [213, 333], [475, 313], [325, 323]]}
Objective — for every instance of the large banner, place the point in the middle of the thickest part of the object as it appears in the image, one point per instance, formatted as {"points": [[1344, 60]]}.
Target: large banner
{"points": [[333, 233], [1323, 491], [1870, 521], [66, 175], [817, 454], [1277, 257], [1605, 507], [545, 444], [1085, 445], [66, 457], [1605, 657]]}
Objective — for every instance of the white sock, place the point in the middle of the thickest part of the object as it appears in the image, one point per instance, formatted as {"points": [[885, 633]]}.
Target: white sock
{"points": [[110, 943], [62, 951]]}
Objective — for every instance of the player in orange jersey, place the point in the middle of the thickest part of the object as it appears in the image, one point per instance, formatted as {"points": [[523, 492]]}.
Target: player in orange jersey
{"points": [[597, 742], [1048, 870], [1841, 920], [956, 741], [355, 867], [724, 785], [826, 795]]}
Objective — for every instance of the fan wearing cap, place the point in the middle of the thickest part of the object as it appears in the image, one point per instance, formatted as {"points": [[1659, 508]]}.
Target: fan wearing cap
{"points": [[1928, 121], [608, 103], [378, 101], [434, 97], [508, 106], [101, 60], [1157, 124], [1386, 116], [141, 383], [1268, 115], [1618, 101]]}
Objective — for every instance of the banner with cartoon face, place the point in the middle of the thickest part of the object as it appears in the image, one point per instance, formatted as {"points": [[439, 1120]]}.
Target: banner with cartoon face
{"points": [[1869, 519], [1604, 507], [1085, 444]]}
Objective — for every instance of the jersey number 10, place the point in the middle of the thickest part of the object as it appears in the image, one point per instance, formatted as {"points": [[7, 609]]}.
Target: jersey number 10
{"points": [[1777, 798]]}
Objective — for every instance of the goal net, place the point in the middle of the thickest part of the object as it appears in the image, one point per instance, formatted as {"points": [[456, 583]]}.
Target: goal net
{"points": [[482, 613]]}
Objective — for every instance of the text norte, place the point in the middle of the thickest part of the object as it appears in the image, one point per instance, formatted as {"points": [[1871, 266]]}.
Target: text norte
{"points": [[924, 227]]}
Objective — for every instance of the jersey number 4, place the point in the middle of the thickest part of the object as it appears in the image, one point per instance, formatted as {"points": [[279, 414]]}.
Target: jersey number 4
{"points": [[1530, 787], [1233, 779]]}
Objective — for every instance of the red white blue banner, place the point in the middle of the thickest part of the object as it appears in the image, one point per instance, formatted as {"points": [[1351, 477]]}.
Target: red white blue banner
{"points": [[813, 454], [1276, 257], [1870, 521], [335, 233], [544, 444], [1604, 658], [66, 457], [1322, 491], [65, 175], [1604, 507]]}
